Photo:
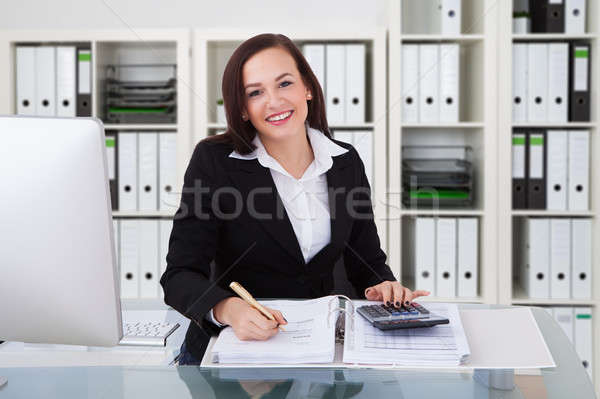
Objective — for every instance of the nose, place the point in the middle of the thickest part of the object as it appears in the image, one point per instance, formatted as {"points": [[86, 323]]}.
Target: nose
{"points": [[274, 99]]}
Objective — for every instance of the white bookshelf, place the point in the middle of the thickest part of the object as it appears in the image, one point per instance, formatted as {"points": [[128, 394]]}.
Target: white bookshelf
{"points": [[212, 50], [476, 127], [156, 46], [509, 290]]}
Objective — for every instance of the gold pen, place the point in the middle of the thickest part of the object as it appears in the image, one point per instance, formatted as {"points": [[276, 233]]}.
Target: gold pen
{"points": [[245, 295]]}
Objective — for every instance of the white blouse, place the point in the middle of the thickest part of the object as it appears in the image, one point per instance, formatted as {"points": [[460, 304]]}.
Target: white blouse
{"points": [[306, 200]]}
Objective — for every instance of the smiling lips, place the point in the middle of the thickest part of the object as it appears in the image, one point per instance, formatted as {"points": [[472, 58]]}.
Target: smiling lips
{"points": [[280, 118]]}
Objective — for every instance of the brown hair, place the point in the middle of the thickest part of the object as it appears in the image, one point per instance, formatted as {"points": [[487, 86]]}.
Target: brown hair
{"points": [[240, 133]]}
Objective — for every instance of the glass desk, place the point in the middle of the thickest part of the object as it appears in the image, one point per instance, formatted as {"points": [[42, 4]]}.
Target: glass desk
{"points": [[568, 380]]}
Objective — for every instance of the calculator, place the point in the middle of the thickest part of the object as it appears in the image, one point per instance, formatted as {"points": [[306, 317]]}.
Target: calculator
{"points": [[407, 316]]}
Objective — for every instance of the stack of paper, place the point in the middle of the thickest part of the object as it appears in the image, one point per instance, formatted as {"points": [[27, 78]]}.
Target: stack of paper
{"points": [[308, 337], [439, 346]]}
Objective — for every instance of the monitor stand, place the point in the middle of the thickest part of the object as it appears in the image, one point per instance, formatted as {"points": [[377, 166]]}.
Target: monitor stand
{"points": [[3, 381]]}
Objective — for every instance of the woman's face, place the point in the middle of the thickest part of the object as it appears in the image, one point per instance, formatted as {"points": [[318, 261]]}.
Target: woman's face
{"points": [[275, 95]]}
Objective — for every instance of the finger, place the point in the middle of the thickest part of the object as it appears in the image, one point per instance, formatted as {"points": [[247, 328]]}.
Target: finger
{"points": [[278, 316], [373, 294], [398, 294], [419, 293], [386, 291], [407, 296], [261, 334], [261, 321]]}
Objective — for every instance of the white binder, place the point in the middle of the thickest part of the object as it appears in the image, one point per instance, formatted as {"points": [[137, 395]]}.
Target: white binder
{"points": [[355, 83], [45, 79], [117, 238], [130, 242], [65, 81], [538, 82], [583, 337], [363, 143], [581, 258], [564, 318], [164, 226], [575, 16], [449, 82], [26, 74], [344, 136], [429, 110], [445, 257], [425, 238], [557, 164], [560, 258], [148, 171], [450, 17], [468, 243], [149, 253], [410, 83], [535, 263], [579, 169], [335, 80], [558, 82], [167, 174], [520, 82], [315, 56], [127, 171]]}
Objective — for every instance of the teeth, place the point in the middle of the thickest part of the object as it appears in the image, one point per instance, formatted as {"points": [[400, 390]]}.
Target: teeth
{"points": [[280, 117]]}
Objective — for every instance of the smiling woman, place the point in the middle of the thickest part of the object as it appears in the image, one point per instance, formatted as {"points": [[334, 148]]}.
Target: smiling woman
{"points": [[253, 90], [275, 202]]}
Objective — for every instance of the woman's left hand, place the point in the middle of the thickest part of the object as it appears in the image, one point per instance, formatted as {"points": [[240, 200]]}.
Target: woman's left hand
{"points": [[392, 293]]}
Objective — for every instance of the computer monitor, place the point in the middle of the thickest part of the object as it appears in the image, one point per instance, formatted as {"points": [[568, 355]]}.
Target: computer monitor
{"points": [[58, 276]]}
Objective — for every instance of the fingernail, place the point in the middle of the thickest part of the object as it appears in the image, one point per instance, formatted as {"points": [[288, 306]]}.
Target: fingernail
{"points": [[397, 303], [285, 319], [388, 303], [407, 303]]}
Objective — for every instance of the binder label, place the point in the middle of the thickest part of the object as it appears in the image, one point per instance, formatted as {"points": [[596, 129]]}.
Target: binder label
{"points": [[536, 157], [110, 156], [518, 156], [581, 68]]}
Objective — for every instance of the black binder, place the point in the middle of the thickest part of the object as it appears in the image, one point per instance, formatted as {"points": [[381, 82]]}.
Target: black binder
{"points": [[547, 16], [579, 82], [536, 169], [113, 159], [84, 100], [519, 184]]}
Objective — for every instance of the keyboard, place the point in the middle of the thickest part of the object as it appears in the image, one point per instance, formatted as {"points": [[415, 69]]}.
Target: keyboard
{"points": [[149, 333], [407, 316]]}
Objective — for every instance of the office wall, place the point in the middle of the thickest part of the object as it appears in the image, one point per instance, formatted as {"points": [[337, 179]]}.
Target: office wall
{"points": [[113, 14]]}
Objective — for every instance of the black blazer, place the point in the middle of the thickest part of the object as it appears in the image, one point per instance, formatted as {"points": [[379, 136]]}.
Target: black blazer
{"points": [[262, 253]]}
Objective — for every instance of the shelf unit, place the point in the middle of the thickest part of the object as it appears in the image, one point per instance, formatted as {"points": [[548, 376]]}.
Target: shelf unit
{"points": [[157, 46], [510, 293], [212, 50], [476, 127]]}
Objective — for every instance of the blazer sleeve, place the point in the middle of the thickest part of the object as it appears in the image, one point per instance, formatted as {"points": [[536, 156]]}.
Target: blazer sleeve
{"points": [[193, 242], [364, 259]]}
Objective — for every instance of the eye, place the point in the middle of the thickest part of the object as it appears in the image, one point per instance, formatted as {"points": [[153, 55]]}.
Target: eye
{"points": [[286, 83], [253, 93]]}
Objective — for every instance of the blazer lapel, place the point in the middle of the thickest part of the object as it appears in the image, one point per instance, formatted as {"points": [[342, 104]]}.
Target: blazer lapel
{"points": [[249, 176], [340, 180]]}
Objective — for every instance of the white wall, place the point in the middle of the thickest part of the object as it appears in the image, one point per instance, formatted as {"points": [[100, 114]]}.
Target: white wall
{"points": [[264, 15]]}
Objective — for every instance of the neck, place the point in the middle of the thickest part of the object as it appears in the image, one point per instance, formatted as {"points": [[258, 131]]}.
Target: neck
{"points": [[294, 154]]}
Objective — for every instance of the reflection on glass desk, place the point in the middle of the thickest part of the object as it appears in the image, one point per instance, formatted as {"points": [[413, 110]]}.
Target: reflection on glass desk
{"points": [[567, 380]]}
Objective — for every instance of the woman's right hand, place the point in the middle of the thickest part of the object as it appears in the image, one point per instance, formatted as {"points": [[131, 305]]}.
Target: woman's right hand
{"points": [[247, 322]]}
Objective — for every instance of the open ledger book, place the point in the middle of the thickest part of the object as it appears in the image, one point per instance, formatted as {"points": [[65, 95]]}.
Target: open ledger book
{"points": [[310, 339]]}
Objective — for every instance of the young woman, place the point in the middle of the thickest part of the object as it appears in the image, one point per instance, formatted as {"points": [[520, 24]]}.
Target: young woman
{"points": [[274, 202]]}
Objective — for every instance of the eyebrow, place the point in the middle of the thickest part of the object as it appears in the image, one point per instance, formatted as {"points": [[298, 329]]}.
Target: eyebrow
{"points": [[276, 79]]}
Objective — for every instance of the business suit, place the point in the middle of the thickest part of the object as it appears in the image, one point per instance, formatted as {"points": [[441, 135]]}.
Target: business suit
{"points": [[262, 253]]}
